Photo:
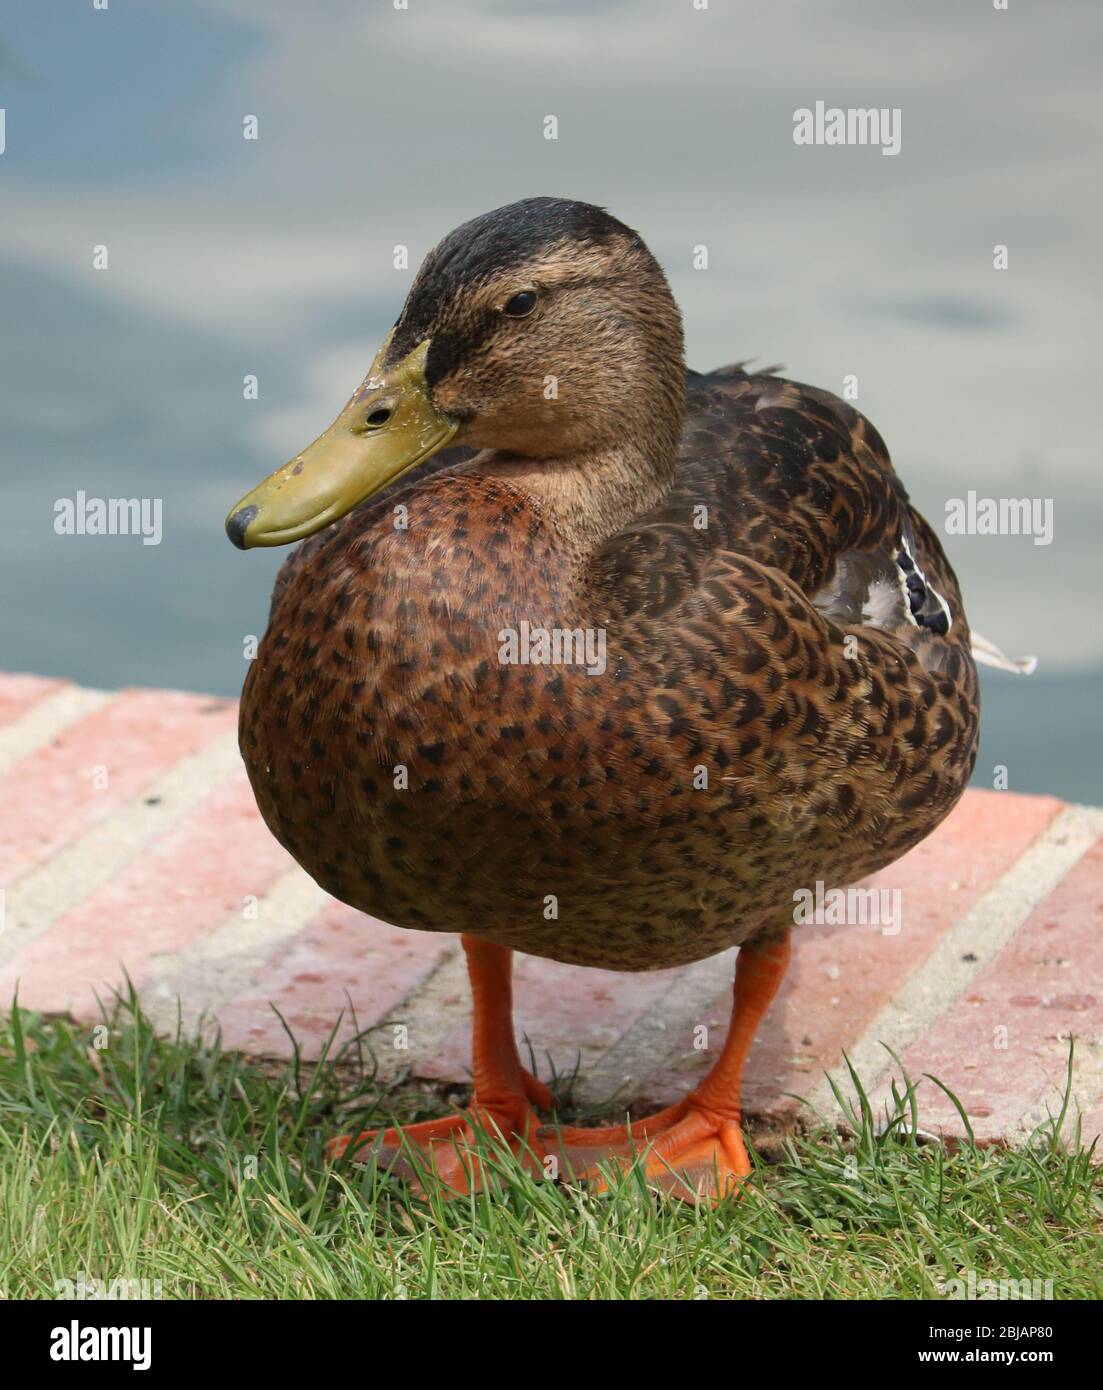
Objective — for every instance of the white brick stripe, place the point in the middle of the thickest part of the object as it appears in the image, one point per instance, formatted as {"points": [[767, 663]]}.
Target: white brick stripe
{"points": [[45, 720], [37, 899], [653, 1040], [440, 1004], [221, 966]]}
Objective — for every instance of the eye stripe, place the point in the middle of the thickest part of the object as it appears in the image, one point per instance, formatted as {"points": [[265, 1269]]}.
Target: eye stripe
{"points": [[450, 346]]}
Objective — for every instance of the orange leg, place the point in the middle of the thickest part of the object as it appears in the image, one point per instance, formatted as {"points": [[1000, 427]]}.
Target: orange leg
{"points": [[505, 1093], [695, 1148]]}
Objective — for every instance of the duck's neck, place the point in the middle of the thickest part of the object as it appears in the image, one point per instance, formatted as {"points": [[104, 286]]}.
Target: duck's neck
{"points": [[587, 495], [586, 498]]}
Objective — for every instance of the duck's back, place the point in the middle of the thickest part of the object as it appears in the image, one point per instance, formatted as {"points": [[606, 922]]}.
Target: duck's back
{"points": [[804, 631], [795, 479]]}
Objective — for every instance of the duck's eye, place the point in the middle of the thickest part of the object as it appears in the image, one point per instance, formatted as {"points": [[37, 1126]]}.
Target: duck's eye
{"points": [[520, 305]]}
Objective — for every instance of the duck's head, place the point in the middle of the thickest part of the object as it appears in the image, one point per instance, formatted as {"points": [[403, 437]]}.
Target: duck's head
{"points": [[544, 330]]}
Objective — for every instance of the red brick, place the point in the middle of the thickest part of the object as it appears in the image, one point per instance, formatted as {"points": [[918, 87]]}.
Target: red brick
{"points": [[557, 1009], [173, 894], [842, 976], [341, 956], [192, 880], [49, 797], [1045, 984], [20, 693]]}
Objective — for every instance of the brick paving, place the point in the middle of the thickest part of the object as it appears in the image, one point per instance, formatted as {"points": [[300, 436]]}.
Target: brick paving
{"points": [[129, 843]]}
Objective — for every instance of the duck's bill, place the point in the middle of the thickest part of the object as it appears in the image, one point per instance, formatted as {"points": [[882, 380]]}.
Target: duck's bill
{"points": [[389, 426]]}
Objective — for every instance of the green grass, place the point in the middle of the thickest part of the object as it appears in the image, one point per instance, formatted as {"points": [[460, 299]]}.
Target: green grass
{"points": [[134, 1160]]}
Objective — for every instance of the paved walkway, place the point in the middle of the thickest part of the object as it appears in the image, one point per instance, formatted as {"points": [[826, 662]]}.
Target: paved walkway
{"points": [[129, 840]]}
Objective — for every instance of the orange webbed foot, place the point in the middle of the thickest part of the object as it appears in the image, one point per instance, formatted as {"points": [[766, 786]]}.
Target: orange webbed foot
{"points": [[449, 1146], [688, 1151]]}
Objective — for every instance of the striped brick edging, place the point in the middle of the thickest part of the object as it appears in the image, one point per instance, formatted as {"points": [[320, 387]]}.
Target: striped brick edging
{"points": [[129, 842]]}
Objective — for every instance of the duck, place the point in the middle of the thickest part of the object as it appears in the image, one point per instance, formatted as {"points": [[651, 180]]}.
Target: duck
{"points": [[586, 655]]}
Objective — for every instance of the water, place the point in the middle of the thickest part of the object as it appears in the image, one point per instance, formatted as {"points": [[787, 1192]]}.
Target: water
{"points": [[378, 129]]}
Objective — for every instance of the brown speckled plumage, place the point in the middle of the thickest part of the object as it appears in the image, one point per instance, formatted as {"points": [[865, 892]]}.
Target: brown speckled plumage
{"points": [[744, 741]]}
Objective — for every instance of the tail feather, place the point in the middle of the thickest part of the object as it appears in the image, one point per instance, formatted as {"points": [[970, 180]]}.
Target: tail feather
{"points": [[988, 654]]}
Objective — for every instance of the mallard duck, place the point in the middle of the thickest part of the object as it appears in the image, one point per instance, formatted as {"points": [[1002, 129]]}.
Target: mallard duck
{"points": [[589, 656]]}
